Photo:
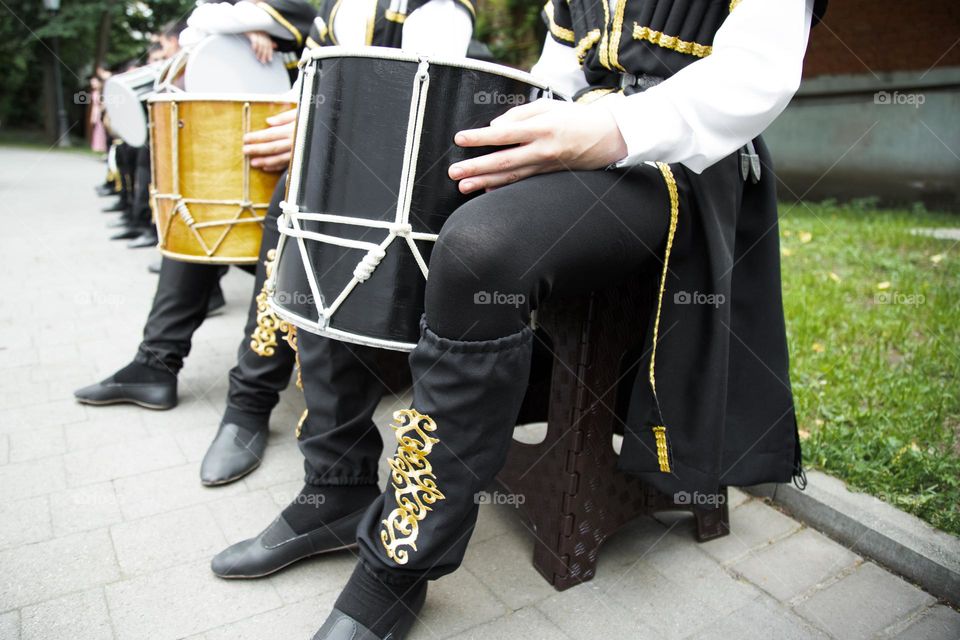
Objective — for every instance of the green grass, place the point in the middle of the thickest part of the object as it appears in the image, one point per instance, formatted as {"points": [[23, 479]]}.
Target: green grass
{"points": [[873, 315]]}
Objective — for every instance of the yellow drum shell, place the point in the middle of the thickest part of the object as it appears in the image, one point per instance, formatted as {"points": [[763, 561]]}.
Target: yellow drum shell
{"points": [[208, 203]]}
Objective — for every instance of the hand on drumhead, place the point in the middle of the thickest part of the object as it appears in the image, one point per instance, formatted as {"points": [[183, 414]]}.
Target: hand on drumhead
{"points": [[547, 136], [262, 44], [270, 149]]}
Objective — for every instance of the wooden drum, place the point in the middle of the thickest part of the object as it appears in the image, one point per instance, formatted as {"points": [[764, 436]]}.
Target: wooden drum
{"points": [[208, 202]]}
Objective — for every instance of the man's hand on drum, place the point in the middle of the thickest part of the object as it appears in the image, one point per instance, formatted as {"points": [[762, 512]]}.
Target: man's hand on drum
{"points": [[270, 149], [549, 135], [262, 45]]}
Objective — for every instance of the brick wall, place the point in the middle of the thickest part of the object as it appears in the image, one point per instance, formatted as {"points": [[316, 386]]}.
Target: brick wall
{"points": [[859, 36]]}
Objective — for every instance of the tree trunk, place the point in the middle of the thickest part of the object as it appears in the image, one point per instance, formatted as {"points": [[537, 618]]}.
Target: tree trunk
{"points": [[103, 35]]}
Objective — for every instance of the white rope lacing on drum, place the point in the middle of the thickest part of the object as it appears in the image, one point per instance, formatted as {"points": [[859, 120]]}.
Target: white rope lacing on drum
{"points": [[400, 227]]}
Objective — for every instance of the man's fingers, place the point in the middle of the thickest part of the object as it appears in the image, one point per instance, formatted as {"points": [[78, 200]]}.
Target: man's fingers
{"points": [[285, 117], [524, 111], [267, 148], [513, 133], [266, 135], [273, 163], [496, 162], [494, 180]]}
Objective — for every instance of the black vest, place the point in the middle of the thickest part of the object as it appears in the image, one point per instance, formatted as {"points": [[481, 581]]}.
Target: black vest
{"points": [[640, 37]]}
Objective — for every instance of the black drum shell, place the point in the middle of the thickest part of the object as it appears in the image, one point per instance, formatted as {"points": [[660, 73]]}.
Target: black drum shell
{"points": [[351, 165]]}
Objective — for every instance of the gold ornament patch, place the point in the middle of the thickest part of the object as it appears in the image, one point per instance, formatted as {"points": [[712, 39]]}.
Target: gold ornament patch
{"points": [[415, 486]]}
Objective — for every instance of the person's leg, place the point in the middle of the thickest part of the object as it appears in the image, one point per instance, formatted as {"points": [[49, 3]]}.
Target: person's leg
{"points": [[179, 306], [141, 202], [341, 448], [256, 380], [497, 258]]}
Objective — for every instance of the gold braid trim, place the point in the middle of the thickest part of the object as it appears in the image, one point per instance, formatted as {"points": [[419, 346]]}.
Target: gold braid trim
{"points": [[283, 22], [616, 35], [594, 94], [663, 457], [263, 340], [394, 16], [558, 32], [586, 43], [415, 486], [670, 42], [469, 7], [660, 432], [733, 5]]}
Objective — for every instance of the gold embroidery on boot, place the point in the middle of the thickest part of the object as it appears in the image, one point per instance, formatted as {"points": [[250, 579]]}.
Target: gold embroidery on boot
{"points": [[415, 486], [263, 340]]}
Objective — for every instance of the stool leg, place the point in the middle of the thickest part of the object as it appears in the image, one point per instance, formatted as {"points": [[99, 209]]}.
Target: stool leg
{"points": [[713, 522]]}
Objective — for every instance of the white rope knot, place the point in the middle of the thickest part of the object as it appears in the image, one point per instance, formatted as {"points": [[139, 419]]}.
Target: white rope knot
{"points": [[184, 213], [401, 229], [366, 266]]}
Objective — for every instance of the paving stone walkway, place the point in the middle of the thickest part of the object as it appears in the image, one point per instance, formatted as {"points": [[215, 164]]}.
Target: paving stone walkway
{"points": [[105, 531]]}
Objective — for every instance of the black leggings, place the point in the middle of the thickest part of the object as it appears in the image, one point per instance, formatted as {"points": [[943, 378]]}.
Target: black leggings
{"points": [[500, 255]]}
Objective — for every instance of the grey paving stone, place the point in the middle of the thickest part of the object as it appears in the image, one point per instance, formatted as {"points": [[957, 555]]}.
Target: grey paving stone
{"points": [[791, 566], [751, 526], [183, 600], [166, 540], [505, 565], [24, 522], [761, 619], [33, 478], [77, 616], [105, 428], [45, 570], [38, 416], [30, 444], [194, 442], [156, 492], [91, 506], [527, 623], [455, 603], [299, 620], [494, 520], [863, 603], [936, 623], [585, 612], [4, 448], [121, 460], [10, 625]]}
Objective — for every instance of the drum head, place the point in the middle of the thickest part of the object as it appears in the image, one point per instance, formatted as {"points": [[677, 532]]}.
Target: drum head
{"points": [[226, 64], [128, 117]]}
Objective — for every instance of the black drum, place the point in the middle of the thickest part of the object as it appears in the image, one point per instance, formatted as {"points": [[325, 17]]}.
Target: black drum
{"points": [[368, 189]]}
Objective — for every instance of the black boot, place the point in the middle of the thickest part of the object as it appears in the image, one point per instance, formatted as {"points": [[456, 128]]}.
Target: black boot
{"points": [[450, 445], [237, 448], [137, 384]]}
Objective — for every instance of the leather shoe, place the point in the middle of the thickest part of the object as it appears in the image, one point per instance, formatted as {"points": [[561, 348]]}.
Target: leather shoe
{"points": [[108, 189], [278, 546], [148, 238], [128, 233], [340, 626], [150, 395], [154, 267], [120, 223], [234, 453]]}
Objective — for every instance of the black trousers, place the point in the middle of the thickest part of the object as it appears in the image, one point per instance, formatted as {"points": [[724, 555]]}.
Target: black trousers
{"points": [[179, 308], [126, 158], [497, 259], [141, 188]]}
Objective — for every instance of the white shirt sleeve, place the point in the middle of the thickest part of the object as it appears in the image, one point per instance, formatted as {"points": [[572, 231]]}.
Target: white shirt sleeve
{"points": [[717, 104], [438, 28], [223, 17], [559, 68]]}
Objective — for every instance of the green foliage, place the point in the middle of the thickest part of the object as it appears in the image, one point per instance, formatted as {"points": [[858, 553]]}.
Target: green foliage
{"points": [[26, 30], [873, 313], [513, 29]]}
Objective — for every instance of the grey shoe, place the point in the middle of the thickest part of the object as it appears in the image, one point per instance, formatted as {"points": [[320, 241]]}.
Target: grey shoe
{"points": [[234, 453], [279, 546], [340, 626]]}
